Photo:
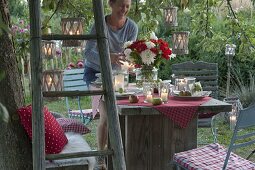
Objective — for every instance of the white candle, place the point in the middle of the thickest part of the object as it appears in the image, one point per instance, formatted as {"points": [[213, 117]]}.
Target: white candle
{"points": [[181, 85], [119, 82], [232, 121], [149, 97], [164, 96]]}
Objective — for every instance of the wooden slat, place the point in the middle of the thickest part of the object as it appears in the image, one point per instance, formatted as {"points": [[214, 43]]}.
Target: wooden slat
{"points": [[72, 93], [68, 37], [78, 83], [78, 154], [73, 71], [75, 88], [118, 158]]}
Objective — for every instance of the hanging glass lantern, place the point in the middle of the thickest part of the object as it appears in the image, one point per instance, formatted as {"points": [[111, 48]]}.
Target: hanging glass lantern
{"points": [[170, 15], [72, 26], [230, 50], [52, 80], [180, 42], [48, 49]]}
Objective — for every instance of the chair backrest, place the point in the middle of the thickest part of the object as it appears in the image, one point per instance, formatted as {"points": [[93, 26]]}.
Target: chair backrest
{"points": [[73, 80], [206, 73], [241, 137]]}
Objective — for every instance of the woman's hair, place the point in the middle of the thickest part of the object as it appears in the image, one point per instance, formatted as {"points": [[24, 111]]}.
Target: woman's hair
{"points": [[112, 1]]}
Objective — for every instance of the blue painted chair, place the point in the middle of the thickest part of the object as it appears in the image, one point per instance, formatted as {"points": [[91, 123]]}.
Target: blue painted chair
{"points": [[73, 81], [214, 156]]}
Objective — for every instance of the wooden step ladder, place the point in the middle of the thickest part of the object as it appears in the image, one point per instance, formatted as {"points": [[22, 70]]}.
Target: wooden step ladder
{"points": [[116, 150]]}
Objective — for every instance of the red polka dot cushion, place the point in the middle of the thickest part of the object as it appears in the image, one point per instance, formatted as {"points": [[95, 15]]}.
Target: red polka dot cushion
{"points": [[73, 125], [55, 138]]}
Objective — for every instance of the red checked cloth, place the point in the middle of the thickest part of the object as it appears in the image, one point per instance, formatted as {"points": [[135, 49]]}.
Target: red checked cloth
{"points": [[179, 111], [211, 157]]}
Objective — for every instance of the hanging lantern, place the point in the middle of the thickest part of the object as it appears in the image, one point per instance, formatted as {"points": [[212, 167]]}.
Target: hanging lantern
{"points": [[48, 49], [180, 42], [72, 26], [230, 50], [52, 80], [170, 15]]}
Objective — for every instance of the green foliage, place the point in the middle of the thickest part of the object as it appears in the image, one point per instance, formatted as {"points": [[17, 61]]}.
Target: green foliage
{"points": [[21, 34]]}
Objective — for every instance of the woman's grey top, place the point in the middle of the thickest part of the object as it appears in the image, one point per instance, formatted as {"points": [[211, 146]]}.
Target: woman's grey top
{"points": [[116, 38]]}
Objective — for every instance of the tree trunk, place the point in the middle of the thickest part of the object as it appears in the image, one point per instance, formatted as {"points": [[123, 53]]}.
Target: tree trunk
{"points": [[15, 147]]}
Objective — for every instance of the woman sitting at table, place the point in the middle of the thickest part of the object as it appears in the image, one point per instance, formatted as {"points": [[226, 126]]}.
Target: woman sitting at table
{"points": [[120, 29]]}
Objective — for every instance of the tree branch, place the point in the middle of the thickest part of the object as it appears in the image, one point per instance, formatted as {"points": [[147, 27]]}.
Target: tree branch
{"points": [[235, 17]]}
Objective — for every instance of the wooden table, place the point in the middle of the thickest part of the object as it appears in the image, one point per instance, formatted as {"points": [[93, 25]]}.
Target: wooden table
{"points": [[150, 139]]}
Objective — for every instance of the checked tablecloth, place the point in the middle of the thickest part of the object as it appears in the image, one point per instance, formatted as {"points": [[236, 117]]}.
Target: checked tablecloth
{"points": [[179, 111]]}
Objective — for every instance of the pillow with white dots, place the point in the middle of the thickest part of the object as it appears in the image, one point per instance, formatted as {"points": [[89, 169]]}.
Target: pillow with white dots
{"points": [[55, 138]]}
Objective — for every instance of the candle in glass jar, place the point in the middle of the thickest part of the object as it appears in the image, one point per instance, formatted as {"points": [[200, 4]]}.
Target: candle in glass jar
{"points": [[149, 97], [164, 95], [119, 82], [181, 85], [232, 121]]}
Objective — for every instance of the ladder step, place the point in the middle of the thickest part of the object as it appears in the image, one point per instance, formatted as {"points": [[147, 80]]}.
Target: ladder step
{"points": [[69, 37], [78, 154], [72, 93]]}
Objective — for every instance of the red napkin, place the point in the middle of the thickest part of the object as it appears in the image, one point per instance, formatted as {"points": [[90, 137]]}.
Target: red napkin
{"points": [[179, 111]]}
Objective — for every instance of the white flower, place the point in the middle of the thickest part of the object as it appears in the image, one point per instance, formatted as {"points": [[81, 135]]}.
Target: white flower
{"points": [[128, 43], [153, 36], [148, 57], [127, 53], [149, 44]]}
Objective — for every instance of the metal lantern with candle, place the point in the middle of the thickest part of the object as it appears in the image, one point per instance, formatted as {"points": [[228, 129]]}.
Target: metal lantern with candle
{"points": [[72, 26], [180, 42], [48, 49], [52, 80], [170, 15]]}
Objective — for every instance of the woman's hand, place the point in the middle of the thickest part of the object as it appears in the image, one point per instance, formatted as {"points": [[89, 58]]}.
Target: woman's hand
{"points": [[117, 58]]}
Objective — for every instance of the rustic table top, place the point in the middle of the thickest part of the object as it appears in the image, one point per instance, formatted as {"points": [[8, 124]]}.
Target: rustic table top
{"points": [[212, 105]]}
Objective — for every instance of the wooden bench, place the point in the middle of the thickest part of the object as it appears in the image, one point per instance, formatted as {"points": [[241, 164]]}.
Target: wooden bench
{"points": [[76, 143]]}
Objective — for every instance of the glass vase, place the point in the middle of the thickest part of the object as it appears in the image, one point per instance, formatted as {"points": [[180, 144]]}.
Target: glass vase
{"points": [[146, 74]]}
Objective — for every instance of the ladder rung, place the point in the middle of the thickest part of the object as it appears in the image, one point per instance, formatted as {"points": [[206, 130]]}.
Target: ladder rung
{"points": [[78, 154], [69, 37], [72, 93]]}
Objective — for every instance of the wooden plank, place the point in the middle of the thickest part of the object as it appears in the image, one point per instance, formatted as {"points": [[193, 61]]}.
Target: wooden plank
{"points": [[71, 167], [76, 88], [74, 83], [78, 154], [74, 71], [73, 77], [151, 141], [38, 132], [72, 93], [110, 101], [68, 37]]}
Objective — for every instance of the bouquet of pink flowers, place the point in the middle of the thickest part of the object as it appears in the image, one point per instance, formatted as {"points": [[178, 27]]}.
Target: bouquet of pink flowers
{"points": [[147, 53]]}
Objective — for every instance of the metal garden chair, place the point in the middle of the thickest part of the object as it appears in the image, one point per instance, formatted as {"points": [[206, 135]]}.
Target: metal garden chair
{"points": [[214, 156], [207, 74], [73, 81]]}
